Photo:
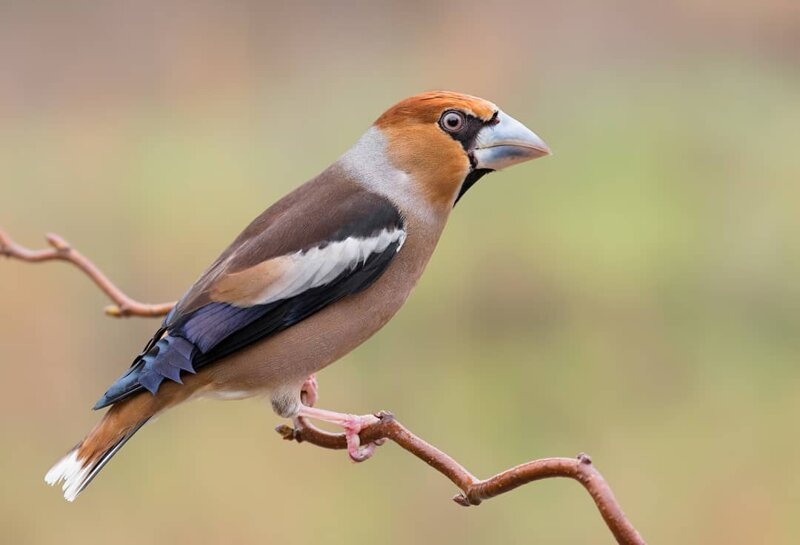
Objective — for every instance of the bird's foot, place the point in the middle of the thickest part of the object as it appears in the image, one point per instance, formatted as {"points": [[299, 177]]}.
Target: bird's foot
{"points": [[352, 428], [309, 392], [352, 425]]}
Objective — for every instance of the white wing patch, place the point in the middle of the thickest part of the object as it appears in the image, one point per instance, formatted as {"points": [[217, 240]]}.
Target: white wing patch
{"points": [[321, 265]]}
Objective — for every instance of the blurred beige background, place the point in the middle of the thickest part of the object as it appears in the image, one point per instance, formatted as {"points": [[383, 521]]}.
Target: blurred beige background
{"points": [[635, 296]]}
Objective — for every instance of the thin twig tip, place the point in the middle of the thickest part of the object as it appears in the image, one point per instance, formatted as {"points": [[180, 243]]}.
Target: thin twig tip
{"points": [[57, 242], [113, 310], [286, 432], [462, 500]]}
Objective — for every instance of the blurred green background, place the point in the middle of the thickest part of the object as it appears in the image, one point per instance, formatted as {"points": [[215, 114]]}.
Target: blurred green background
{"points": [[635, 296]]}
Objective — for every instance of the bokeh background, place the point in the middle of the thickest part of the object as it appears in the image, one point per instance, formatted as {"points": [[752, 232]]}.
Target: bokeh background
{"points": [[634, 296]]}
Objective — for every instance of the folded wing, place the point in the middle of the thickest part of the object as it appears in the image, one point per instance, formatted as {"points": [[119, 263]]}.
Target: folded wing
{"points": [[250, 293]]}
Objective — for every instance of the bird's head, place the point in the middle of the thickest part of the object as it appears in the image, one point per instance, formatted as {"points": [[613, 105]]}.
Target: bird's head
{"points": [[446, 141]]}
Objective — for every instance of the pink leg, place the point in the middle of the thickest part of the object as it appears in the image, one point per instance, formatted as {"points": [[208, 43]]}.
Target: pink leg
{"points": [[352, 425], [309, 392]]}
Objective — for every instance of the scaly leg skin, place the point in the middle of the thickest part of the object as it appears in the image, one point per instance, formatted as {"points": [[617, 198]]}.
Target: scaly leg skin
{"points": [[309, 392], [352, 424]]}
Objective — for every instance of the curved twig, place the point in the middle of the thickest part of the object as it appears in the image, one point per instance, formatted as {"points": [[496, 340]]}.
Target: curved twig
{"points": [[61, 250], [474, 490]]}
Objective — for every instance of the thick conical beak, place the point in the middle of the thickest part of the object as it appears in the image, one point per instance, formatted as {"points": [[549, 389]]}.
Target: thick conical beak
{"points": [[507, 143]]}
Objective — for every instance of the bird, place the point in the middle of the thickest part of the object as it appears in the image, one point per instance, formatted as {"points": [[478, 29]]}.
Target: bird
{"points": [[312, 277]]}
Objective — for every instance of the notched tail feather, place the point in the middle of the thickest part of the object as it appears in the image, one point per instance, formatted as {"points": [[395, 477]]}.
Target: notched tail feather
{"points": [[165, 357], [80, 465]]}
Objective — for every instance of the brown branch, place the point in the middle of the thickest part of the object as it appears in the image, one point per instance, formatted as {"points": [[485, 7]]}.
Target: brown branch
{"points": [[61, 250], [474, 490]]}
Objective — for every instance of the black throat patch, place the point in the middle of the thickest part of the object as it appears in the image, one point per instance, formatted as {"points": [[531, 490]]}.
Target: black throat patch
{"points": [[474, 175]]}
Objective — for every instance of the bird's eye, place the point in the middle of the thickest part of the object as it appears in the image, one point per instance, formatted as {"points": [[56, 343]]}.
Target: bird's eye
{"points": [[452, 121]]}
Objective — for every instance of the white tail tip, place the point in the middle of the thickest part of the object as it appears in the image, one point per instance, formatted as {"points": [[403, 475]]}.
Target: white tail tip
{"points": [[72, 471]]}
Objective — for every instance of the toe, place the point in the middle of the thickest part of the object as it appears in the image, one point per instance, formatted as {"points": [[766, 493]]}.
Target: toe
{"points": [[309, 391], [360, 454]]}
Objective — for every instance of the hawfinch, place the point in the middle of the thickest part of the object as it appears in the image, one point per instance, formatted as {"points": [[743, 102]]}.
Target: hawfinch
{"points": [[313, 277]]}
